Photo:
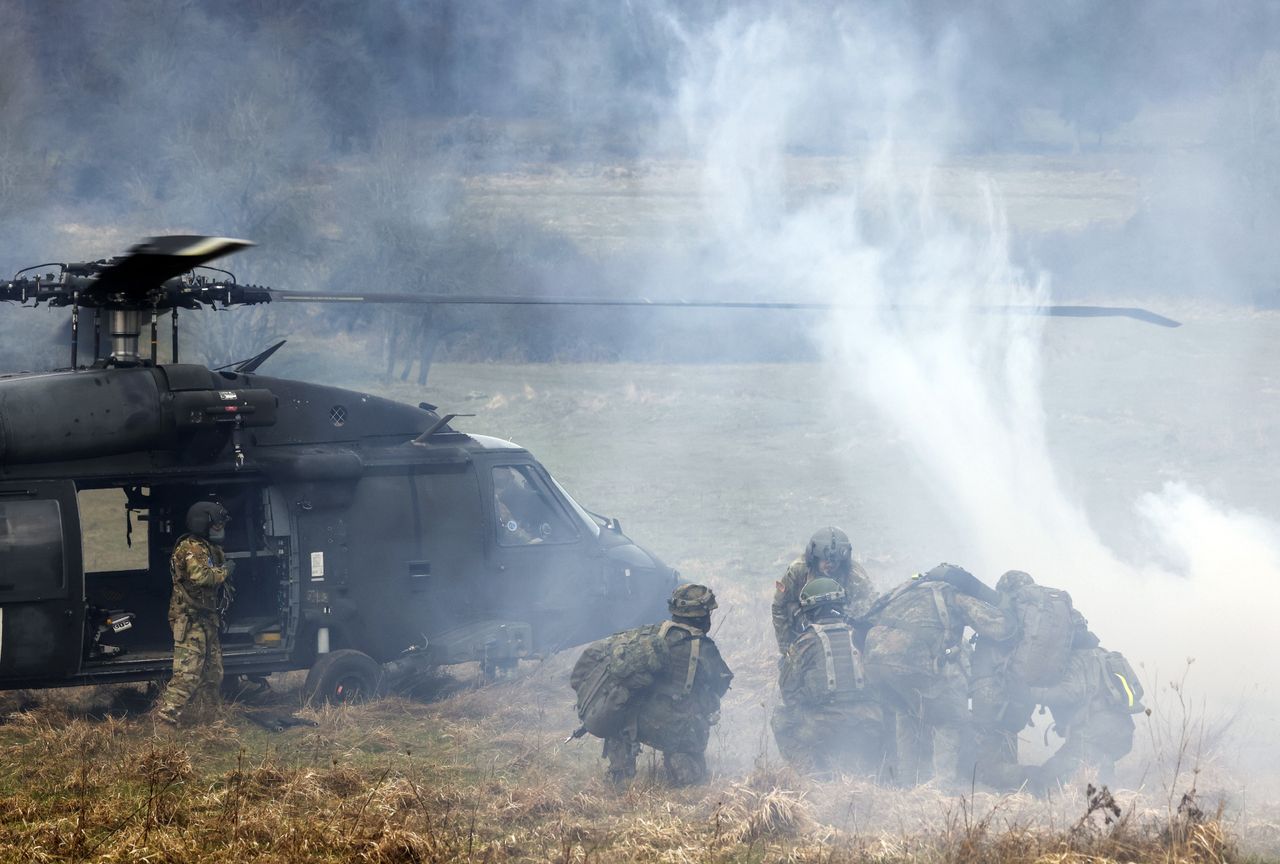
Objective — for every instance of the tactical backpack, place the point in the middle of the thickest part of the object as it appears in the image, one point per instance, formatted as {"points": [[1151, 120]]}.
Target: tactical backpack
{"points": [[614, 669], [1120, 683], [1044, 615], [845, 676]]}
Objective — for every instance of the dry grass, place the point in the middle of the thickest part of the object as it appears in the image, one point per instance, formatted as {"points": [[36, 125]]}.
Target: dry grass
{"points": [[483, 775]]}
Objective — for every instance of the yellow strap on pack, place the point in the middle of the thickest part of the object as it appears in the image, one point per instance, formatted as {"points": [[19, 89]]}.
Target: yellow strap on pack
{"points": [[1127, 689]]}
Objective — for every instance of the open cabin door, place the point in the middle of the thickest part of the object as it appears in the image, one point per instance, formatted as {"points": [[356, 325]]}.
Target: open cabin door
{"points": [[41, 580]]}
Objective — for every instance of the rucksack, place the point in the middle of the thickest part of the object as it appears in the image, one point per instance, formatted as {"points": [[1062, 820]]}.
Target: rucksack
{"points": [[845, 676], [1120, 683], [609, 672], [1041, 655]]}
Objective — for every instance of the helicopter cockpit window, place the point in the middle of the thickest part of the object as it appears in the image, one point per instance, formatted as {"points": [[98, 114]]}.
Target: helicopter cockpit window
{"points": [[527, 514]]}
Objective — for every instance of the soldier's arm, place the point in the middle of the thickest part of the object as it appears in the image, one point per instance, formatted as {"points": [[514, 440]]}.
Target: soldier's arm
{"points": [[860, 591], [197, 563], [718, 673], [1073, 689], [988, 621], [786, 602]]}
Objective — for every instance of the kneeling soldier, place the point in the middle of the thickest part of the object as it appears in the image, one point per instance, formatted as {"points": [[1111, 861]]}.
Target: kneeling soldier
{"points": [[829, 719], [660, 685]]}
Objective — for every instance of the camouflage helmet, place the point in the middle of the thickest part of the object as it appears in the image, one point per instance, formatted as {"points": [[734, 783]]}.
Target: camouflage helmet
{"points": [[1012, 580], [203, 514], [829, 544], [822, 592], [691, 601]]}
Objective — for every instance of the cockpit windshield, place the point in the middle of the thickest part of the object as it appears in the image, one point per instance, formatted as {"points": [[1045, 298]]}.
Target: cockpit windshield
{"points": [[592, 523]]}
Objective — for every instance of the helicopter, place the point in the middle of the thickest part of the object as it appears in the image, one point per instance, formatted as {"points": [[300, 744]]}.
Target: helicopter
{"points": [[372, 540]]}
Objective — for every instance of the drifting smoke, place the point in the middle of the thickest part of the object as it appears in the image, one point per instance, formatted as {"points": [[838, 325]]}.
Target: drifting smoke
{"points": [[352, 141], [962, 390]]}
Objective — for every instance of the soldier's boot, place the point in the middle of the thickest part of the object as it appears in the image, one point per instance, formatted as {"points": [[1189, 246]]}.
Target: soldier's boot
{"points": [[685, 769], [622, 754]]}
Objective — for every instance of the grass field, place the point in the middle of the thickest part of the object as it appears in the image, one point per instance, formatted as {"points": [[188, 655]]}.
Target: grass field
{"points": [[723, 471]]}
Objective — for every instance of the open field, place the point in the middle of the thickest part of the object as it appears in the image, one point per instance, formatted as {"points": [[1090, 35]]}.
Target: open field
{"points": [[723, 471]]}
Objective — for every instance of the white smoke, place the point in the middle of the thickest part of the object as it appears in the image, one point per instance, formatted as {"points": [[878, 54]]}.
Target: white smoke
{"points": [[961, 389]]}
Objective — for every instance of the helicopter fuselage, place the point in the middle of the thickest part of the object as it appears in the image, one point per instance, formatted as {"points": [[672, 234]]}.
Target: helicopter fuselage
{"points": [[358, 523]]}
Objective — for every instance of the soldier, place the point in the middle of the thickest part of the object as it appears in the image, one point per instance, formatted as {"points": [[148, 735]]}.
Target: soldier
{"points": [[1048, 628], [914, 653], [829, 719], [660, 685], [199, 569], [828, 554], [1091, 708]]}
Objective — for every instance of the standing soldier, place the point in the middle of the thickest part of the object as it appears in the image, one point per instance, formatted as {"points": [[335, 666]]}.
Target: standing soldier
{"points": [[829, 719], [829, 554], [199, 569], [660, 685], [915, 655]]}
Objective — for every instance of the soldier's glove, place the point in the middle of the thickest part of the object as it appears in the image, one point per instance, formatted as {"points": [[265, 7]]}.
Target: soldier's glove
{"points": [[229, 566]]}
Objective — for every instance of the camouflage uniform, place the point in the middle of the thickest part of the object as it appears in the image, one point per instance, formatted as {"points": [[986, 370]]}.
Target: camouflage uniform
{"points": [[915, 655], [829, 719], [1098, 732], [675, 714], [1002, 707], [786, 597], [198, 568]]}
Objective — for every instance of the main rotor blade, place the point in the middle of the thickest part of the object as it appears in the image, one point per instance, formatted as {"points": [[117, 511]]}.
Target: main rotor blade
{"points": [[278, 295], [157, 259]]}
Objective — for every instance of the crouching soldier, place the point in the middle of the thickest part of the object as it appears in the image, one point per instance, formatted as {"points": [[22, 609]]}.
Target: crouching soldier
{"points": [[915, 656], [659, 685], [1092, 708], [829, 555], [829, 719]]}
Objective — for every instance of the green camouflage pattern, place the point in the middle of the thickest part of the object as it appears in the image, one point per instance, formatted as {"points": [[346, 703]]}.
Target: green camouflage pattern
{"points": [[915, 655], [817, 731], [859, 594], [1097, 732], [198, 570], [665, 717], [692, 601]]}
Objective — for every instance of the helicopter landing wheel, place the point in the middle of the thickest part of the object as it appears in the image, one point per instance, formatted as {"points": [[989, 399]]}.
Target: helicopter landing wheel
{"points": [[342, 678]]}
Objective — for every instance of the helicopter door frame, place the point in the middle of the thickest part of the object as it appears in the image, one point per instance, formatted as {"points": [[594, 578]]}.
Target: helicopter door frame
{"points": [[41, 580]]}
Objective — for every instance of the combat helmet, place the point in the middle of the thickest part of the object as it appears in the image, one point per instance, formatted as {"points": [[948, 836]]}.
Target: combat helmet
{"points": [[1012, 580], [829, 544], [205, 514], [821, 593], [691, 601]]}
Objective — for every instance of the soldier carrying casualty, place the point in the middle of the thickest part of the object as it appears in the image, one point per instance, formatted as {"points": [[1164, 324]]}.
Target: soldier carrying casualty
{"points": [[829, 554], [915, 655], [200, 572], [1048, 628], [659, 685], [1092, 708], [829, 719]]}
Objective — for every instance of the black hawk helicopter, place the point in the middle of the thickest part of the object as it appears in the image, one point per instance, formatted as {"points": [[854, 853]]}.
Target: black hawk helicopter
{"points": [[372, 539]]}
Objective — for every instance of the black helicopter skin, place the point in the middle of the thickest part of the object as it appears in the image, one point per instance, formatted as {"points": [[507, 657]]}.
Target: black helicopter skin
{"points": [[399, 507]]}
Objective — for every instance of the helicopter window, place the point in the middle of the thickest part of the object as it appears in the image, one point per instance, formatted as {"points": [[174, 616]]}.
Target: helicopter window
{"points": [[592, 525], [114, 537], [31, 550], [527, 514]]}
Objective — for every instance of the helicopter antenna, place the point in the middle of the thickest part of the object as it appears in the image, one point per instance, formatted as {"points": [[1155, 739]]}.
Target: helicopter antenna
{"points": [[253, 362]]}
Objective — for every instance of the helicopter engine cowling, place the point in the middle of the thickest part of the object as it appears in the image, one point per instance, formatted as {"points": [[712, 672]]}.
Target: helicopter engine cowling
{"points": [[104, 412]]}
